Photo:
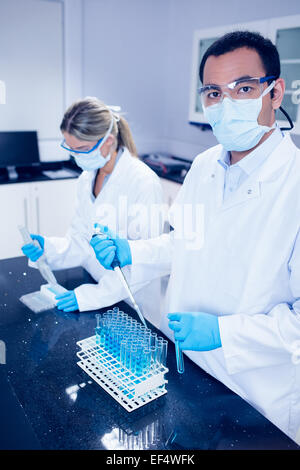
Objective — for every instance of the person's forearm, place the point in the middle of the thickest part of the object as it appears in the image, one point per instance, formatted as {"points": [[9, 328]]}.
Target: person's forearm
{"points": [[65, 252], [109, 289], [155, 251]]}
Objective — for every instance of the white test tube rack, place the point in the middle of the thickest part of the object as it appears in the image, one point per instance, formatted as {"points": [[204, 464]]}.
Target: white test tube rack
{"points": [[129, 390]]}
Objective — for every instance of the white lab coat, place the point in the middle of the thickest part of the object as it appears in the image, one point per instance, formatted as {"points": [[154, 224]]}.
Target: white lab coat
{"points": [[130, 184], [247, 272]]}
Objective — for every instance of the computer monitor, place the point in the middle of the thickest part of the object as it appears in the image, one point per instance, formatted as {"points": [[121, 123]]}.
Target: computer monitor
{"points": [[18, 149]]}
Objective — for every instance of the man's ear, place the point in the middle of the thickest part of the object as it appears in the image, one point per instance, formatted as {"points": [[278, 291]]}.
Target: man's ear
{"points": [[278, 93]]}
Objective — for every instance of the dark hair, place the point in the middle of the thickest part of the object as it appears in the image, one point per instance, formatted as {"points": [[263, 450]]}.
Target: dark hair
{"points": [[266, 50]]}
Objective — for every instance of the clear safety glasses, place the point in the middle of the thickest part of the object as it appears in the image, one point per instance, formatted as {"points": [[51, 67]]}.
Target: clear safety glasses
{"points": [[241, 89], [65, 147]]}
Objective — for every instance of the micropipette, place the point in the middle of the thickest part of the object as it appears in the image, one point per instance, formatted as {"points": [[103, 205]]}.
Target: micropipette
{"points": [[117, 268], [179, 358], [41, 263]]}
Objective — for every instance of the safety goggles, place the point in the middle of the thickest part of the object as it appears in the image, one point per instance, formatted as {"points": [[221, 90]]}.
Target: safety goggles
{"points": [[241, 89], [65, 147]]}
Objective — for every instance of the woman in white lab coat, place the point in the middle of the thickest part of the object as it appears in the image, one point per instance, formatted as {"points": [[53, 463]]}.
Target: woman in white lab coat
{"points": [[115, 189]]}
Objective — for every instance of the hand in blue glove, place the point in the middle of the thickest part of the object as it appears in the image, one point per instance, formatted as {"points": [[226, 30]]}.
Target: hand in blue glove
{"points": [[108, 245], [195, 331], [32, 251], [67, 301]]}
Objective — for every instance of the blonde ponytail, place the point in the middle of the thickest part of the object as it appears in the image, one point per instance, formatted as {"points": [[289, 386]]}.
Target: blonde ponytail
{"points": [[125, 138], [89, 119]]}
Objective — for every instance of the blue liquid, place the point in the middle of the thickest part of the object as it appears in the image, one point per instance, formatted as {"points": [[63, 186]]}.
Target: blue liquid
{"points": [[179, 358], [109, 339]]}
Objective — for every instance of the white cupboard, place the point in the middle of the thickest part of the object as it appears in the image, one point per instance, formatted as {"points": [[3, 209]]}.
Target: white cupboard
{"points": [[44, 207]]}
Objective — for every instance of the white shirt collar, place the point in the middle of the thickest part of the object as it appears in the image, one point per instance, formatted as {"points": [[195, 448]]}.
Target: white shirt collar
{"points": [[255, 158]]}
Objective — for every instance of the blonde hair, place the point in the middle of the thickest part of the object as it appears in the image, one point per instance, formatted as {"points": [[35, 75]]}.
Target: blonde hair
{"points": [[89, 119]]}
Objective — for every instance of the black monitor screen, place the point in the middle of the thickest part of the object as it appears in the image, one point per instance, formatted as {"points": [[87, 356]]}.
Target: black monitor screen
{"points": [[18, 148]]}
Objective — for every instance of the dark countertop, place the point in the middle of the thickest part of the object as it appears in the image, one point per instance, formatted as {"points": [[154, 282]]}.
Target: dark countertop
{"points": [[53, 404], [163, 165], [35, 173]]}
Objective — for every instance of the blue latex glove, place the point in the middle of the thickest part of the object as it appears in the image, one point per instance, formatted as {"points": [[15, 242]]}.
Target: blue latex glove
{"points": [[195, 331], [34, 252], [67, 301], [106, 246]]}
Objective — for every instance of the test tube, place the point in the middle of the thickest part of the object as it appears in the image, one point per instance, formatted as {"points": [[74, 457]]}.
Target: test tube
{"points": [[146, 339], [98, 317], [139, 360], [102, 332], [159, 353], [122, 317], [146, 358], [121, 436], [108, 314], [153, 353], [145, 438], [115, 310], [98, 328], [133, 358], [163, 358], [162, 350], [127, 352], [153, 337], [115, 348], [179, 358], [107, 323], [123, 352], [151, 427]]}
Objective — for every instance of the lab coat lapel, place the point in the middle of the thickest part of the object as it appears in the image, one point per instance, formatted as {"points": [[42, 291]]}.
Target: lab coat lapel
{"points": [[118, 171], [251, 188], [217, 179], [280, 157], [121, 167], [242, 194], [248, 190]]}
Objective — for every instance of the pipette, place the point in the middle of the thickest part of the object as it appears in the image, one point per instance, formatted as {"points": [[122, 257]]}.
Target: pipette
{"points": [[179, 358], [41, 263], [117, 268]]}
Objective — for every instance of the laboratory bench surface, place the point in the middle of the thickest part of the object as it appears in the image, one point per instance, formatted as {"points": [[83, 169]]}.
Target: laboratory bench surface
{"points": [[48, 402], [35, 174]]}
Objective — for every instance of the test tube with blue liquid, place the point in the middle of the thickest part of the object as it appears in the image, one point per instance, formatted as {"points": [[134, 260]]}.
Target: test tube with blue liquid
{"points": [[137, 349], [98, 328], [179, 358]]}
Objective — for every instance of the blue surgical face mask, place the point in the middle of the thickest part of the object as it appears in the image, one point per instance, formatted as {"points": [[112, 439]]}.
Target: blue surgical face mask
{"points": [[234, 122]]}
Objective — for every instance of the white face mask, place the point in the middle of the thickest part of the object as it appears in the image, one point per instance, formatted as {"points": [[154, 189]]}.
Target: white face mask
{"points": [[94, 160], [234, 122]]}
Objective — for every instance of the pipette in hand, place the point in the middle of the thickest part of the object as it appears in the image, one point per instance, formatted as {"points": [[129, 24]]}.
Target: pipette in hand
{"points": [[43, 267], [116, 266]]}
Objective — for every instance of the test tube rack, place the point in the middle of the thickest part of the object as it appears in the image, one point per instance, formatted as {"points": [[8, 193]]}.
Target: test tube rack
{"points": [[129, 390]]}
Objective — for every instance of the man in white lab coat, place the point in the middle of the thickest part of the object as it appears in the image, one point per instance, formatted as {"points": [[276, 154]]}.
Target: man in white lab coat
{"points": [[234, 290]]}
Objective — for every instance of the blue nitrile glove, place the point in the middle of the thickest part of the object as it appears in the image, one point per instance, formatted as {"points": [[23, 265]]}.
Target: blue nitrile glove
{"points": [[108, 245], [195, 331], [34, 252], [67, 301]]}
